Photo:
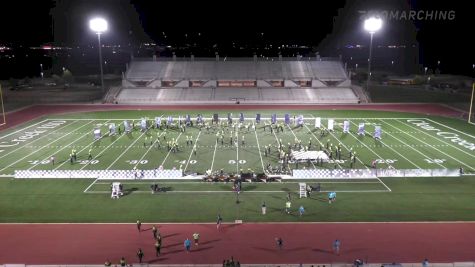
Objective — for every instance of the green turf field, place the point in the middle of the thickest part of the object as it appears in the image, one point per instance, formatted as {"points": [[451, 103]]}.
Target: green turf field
{"points": [[408, 141]]}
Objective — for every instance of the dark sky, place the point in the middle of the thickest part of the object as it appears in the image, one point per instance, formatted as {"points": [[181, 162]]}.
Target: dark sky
{"points": [[297, 21]]}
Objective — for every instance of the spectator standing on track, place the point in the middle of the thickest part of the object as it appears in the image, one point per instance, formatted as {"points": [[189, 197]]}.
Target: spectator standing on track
{"points": [[158, 246], [187, 244], [154, 231], [122, 262], [219, 221], [108, 263], [196, 238], [425, 263], [139, 226], [264, 208], [140, 255], [336, 246], [279, 242]]}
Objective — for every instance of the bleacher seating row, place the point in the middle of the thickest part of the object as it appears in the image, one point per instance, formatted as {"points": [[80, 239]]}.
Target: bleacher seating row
{"points": [[249, 95]]}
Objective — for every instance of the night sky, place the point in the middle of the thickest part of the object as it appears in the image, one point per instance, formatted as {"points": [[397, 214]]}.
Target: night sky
{"points": [[222, 22]]}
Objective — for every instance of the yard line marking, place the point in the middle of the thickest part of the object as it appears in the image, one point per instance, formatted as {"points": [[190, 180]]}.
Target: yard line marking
{"points": [[343, 144], [259, 149], [22, 129], [168, 154], [209, 183], [85, 191], [79, 151], [29, 143], [237, 150], [125, 151], [376, 154], [100, 153], [146, 152], [214, 154], [251, 119], [242, 192], [424, 155], [384, 184], [40, 148], [318, 140], [288, 126], [440, 140], [66, 146], [392, 148], [194, 147], [465, 164]]}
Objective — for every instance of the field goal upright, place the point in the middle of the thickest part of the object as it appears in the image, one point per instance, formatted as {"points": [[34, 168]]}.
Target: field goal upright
{"points": [[3, 119], [471, 113]]}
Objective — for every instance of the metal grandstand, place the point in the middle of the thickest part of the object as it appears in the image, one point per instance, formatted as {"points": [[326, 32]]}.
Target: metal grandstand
{"points": [[286, 80]]}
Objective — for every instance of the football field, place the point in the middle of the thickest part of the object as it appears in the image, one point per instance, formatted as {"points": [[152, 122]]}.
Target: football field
{"points": [[408, 142]]}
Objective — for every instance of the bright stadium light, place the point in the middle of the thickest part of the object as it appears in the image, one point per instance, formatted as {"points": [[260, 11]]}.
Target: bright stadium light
{"points": [[99, 25], [371, 25]]}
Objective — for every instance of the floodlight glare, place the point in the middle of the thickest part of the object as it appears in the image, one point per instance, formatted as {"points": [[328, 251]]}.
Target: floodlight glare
{"points": [[98, 25], [373, 24]]}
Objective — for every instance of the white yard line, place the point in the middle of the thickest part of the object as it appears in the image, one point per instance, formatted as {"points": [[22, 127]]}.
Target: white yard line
{"points": [[85, 147], [318, 140], [214, 154], [343, 144], [246, 119], [209, 183], [64, 147], [146, 152], [384, 184], [424, 155], [242, 192], [259, 149], [39, 138], [43, 147], [194, 147], [372, 151], [440, 140], [100, 153], [168, 154], [125, 151], [415, 165], [85, 191], [463, 163], [288, 126], [237, 150], [22, 129]]}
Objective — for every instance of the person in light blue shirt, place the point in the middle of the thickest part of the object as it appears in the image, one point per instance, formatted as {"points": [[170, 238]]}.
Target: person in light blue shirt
{"points": [[187, 244], [336, 246], [331, 197], [301, 211]]}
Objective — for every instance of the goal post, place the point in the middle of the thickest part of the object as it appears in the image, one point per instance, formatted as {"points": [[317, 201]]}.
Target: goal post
{"points": [[3, 119], [471, 113]]}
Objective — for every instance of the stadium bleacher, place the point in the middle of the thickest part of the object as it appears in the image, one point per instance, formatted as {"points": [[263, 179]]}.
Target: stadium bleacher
{"points": [[248, 80]]}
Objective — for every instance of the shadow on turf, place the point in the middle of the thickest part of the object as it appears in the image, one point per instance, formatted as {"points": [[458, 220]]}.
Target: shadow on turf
{"points": [[129, 190]]}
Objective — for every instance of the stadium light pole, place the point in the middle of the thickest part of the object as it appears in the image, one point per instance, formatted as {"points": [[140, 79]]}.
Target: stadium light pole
{"points": [[371, 25], [99, 26]]}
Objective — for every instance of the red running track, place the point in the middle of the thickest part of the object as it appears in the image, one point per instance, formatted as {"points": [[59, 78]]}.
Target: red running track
{"points": [[248, 243], [33, 112]]}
